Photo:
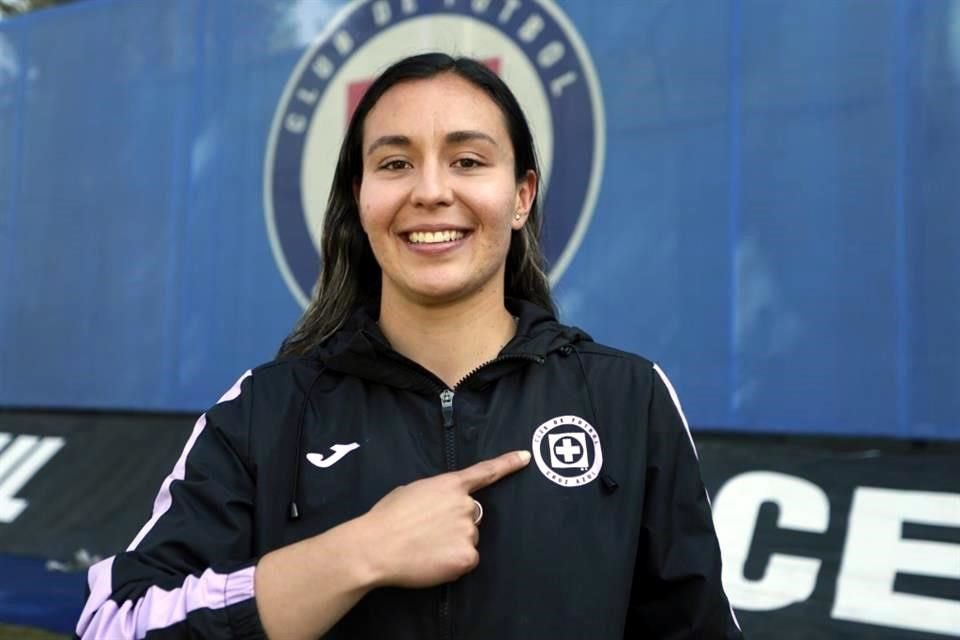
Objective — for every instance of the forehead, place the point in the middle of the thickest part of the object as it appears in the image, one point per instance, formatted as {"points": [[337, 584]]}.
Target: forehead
{"points": [[434, 106]]}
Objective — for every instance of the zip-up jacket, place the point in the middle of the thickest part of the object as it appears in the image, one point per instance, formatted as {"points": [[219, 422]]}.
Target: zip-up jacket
{"points": [[606, 534]]}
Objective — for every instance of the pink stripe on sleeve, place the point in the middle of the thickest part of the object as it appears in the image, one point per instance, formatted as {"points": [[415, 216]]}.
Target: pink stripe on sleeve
{"points": [[99, 580], [162, 502], [104, 618], [159, 608]]}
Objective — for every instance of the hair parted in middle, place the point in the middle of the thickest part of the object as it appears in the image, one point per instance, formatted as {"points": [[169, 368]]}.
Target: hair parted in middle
{"points": [[349, 273]]}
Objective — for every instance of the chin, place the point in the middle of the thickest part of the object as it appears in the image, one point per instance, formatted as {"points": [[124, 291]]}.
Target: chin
{"points": [[443, 291], [438, 295], [442, 287]]}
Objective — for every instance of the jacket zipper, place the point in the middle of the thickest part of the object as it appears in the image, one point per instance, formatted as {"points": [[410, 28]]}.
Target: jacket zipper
{"points": [[450, 457], [510, 356]]}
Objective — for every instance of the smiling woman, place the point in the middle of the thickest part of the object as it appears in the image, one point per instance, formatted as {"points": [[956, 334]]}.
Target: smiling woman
{"points": [[439, 203], [471, 143], [427, 372]]}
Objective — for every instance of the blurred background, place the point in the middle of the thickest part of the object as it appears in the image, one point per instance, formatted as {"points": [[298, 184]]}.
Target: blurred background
{"points": [[761, 195]]}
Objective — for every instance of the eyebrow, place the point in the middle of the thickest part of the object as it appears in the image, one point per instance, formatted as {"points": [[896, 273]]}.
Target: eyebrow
{"points": [[454, 137], [457, 137], [388, 141]]}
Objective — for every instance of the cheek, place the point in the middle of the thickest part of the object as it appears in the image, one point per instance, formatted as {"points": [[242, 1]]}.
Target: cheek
{"points": [[373, 212], [379, 200], [497, 208]]}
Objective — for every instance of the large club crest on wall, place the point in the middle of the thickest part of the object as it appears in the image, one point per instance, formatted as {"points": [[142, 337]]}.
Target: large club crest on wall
{"points": [[533, 46]]}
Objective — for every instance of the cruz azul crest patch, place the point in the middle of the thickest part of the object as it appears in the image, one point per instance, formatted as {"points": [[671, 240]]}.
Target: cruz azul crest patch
{"points": [[567, 450], [530, 44]]}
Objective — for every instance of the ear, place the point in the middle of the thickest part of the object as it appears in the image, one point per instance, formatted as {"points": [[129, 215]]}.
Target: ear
{"points": [[526, 192]]}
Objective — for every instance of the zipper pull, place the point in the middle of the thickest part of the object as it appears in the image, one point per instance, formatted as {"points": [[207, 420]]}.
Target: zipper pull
{"points": [[446, 405]]}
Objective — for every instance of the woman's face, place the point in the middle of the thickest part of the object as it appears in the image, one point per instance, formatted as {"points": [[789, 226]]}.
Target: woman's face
{"points": [[438, 198]]}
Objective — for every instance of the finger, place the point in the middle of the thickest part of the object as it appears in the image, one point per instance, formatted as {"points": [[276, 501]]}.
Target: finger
{"points": [[485, 473]]}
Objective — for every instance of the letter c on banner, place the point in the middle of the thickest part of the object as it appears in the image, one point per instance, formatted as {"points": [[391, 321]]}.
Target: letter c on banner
{"points": [[803, 506]]}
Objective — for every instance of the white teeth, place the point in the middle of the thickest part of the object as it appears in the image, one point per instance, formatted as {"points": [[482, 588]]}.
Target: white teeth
{"points": [[433, 237]]}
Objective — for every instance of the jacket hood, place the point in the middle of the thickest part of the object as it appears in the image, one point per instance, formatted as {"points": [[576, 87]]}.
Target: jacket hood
{"points": [[360, 349]]}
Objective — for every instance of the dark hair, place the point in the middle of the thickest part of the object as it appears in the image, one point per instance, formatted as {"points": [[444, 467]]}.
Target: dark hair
{"points": [[349, 273]]}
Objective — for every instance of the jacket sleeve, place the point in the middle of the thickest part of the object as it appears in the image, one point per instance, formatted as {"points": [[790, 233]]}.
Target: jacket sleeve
{"points": [[677, 593], [189, 572]]}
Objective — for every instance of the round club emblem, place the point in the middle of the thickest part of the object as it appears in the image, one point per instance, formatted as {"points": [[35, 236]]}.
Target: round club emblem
{"points": [[531, 45], [567, 451]]}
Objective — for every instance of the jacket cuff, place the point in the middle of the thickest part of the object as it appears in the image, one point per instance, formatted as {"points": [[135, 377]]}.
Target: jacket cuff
{"points": [[242, 615]]}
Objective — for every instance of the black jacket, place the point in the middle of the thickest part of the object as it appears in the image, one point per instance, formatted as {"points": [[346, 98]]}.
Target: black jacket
{"points": [[606, 534]]}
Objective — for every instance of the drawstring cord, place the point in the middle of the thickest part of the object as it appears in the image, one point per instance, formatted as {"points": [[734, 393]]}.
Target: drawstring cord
{"points": [[566, 350], [609, 484], [293, 512]]}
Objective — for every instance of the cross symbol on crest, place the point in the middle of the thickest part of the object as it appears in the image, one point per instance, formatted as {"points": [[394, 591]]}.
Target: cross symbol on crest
{"points": [[568, 450]]}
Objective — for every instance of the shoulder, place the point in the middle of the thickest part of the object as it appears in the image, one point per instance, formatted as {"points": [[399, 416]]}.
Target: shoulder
{"points": [[598, 350], [642, 368], [270, 384], [283, 370], [613, 370], [596, 355], [263, 401]]}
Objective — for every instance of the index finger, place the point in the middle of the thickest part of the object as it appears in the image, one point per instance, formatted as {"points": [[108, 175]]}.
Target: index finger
{"points": [[486, 472]]}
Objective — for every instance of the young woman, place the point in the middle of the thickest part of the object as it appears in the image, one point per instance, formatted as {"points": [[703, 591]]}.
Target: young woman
{"points": [[374, 480]]}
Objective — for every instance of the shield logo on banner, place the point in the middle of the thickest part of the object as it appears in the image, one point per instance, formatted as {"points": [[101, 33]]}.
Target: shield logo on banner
{"points": [[534, 48]]}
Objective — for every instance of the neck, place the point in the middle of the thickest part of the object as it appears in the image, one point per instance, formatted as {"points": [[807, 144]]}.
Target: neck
{"points": [[450, 340]]}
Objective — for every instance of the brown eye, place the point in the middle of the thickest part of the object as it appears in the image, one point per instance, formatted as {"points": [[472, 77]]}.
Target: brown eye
{"points": [[395, 165], [468, 163]]}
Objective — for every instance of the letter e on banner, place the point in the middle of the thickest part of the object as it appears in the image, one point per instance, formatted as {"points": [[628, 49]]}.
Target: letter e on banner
{"points": [[875, 552]]}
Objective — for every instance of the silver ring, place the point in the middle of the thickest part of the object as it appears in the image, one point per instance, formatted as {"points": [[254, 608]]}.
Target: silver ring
{"points": [[477, 512]]}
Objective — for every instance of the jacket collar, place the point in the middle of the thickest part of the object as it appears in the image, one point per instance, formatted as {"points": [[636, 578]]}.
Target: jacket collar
{"points": [[360, 349]]}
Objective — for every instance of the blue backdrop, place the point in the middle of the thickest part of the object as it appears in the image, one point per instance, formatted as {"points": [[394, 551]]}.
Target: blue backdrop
{"points": [[777, 221]]}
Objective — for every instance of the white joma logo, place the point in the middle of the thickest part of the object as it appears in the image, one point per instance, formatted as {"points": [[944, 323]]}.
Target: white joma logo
{"points": [[19, 462], [339, 450]]}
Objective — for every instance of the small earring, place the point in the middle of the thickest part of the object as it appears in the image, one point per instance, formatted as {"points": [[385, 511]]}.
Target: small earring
{"points": [[516, 216]]}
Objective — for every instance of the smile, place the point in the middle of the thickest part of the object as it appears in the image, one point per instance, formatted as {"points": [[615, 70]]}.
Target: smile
{"points": [[435, 237]]}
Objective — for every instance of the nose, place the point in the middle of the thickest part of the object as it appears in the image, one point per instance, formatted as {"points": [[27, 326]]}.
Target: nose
{"points": [[432, 188]]}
